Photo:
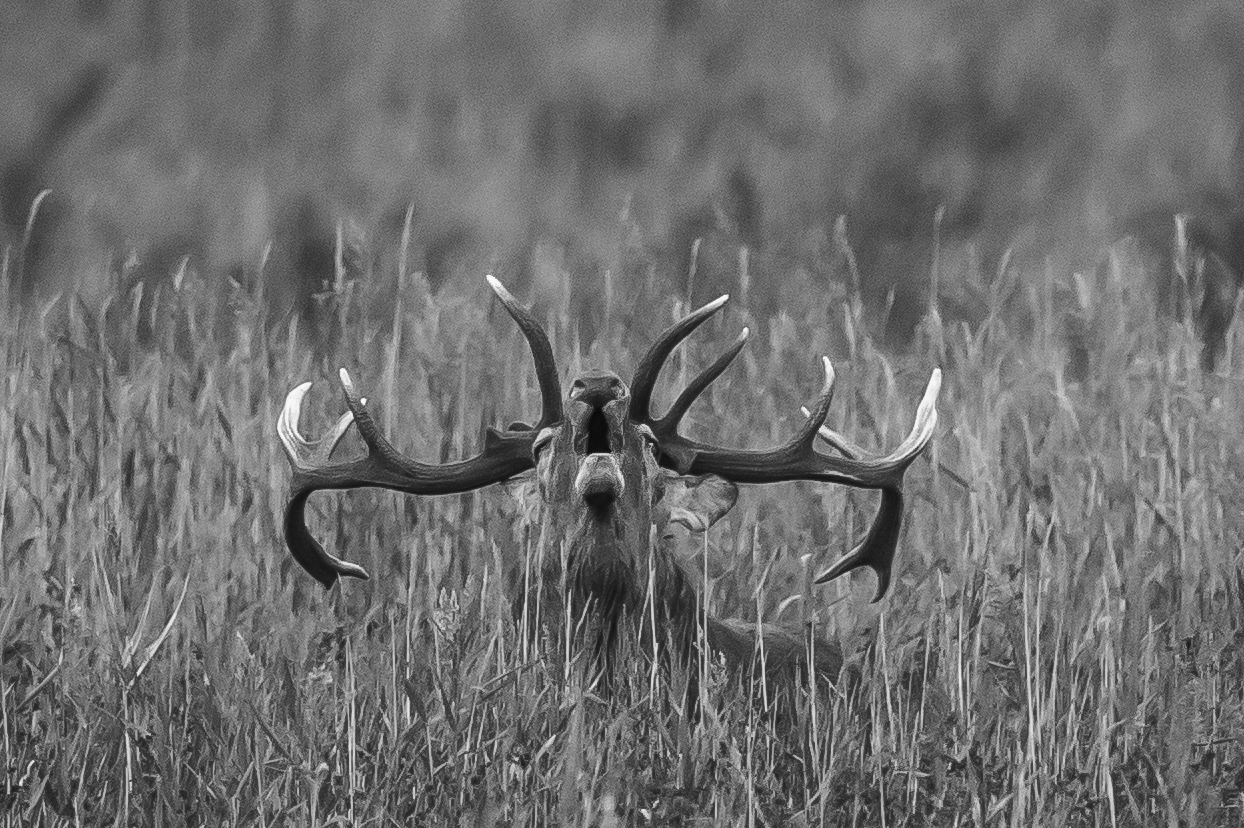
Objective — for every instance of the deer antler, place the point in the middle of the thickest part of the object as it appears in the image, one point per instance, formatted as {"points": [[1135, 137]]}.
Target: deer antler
{"points": [[798, 459], [505, 453]]}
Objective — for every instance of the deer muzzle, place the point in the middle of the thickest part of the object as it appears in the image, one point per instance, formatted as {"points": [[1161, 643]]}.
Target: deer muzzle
{"points": [[596, 414], [599, 480]]}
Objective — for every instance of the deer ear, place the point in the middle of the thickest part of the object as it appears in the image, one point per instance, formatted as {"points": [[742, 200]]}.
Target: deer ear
{"points": [[697, 502]]}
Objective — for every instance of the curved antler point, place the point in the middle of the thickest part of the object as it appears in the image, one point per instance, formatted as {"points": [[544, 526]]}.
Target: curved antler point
{"points": [[291, 412], [829, 375], [293, 400], [346, 382], [928, 404], [541, 352], [498, 288], [503, 294]]}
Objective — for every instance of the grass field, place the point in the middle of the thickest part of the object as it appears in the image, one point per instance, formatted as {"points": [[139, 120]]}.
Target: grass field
{"points": [[1061, 645]]}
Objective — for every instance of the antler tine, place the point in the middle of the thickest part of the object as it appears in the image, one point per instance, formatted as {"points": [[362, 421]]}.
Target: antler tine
{"points": [[798, 459], [921, 431], [304, 453], [816, 418], [839, 441], [541, 352], [702, 381], [650, 366], [877, 549], [378, 445], [504, 455], [308, 456], [926, 419]]}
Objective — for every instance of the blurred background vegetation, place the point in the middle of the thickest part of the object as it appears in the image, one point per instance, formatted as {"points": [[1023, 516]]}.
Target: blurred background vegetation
{"points": [[556, 141]]}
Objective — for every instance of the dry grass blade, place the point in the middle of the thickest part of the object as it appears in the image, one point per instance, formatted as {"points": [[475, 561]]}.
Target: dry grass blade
{"points": [[154, 646]]}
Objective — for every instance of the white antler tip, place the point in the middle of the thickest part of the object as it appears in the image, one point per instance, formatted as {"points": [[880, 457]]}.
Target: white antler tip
{"points": [[296, 394], [829, 374], [293, 404], [926, 416], [717, 303], [498, 288], [346, 382], [291, 413], [744, 334], [935, 385]]}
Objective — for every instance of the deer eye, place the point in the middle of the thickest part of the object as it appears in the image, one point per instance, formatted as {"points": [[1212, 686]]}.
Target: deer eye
{"points": [[649, 438], [542, 440]]}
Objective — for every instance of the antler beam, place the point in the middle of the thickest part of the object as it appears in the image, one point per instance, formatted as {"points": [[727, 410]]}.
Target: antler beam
{"points": [[505, 453], [798, 459]]}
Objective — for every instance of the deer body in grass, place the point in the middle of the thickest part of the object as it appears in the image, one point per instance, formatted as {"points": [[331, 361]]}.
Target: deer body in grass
{"points": [[606, 471]]}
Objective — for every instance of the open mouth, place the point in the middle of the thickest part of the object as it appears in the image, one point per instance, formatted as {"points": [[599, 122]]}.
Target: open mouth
{"points": [[597, 433], [599, 481]]}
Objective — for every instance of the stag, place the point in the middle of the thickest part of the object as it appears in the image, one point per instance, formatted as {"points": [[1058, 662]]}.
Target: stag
{"points": [[607, 470]]}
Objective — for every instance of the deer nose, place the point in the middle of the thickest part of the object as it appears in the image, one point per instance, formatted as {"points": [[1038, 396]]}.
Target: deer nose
{"points": [[597, 390]]}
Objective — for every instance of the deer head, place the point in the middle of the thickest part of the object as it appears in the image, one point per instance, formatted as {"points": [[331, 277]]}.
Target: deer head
{"points": [[606, 470]]}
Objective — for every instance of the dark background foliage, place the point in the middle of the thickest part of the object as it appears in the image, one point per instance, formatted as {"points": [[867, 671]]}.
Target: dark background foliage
{"points": [[592, 137]]}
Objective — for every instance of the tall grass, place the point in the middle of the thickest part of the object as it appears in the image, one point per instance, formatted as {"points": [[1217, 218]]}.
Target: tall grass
{"points": [[1060, 645]]}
